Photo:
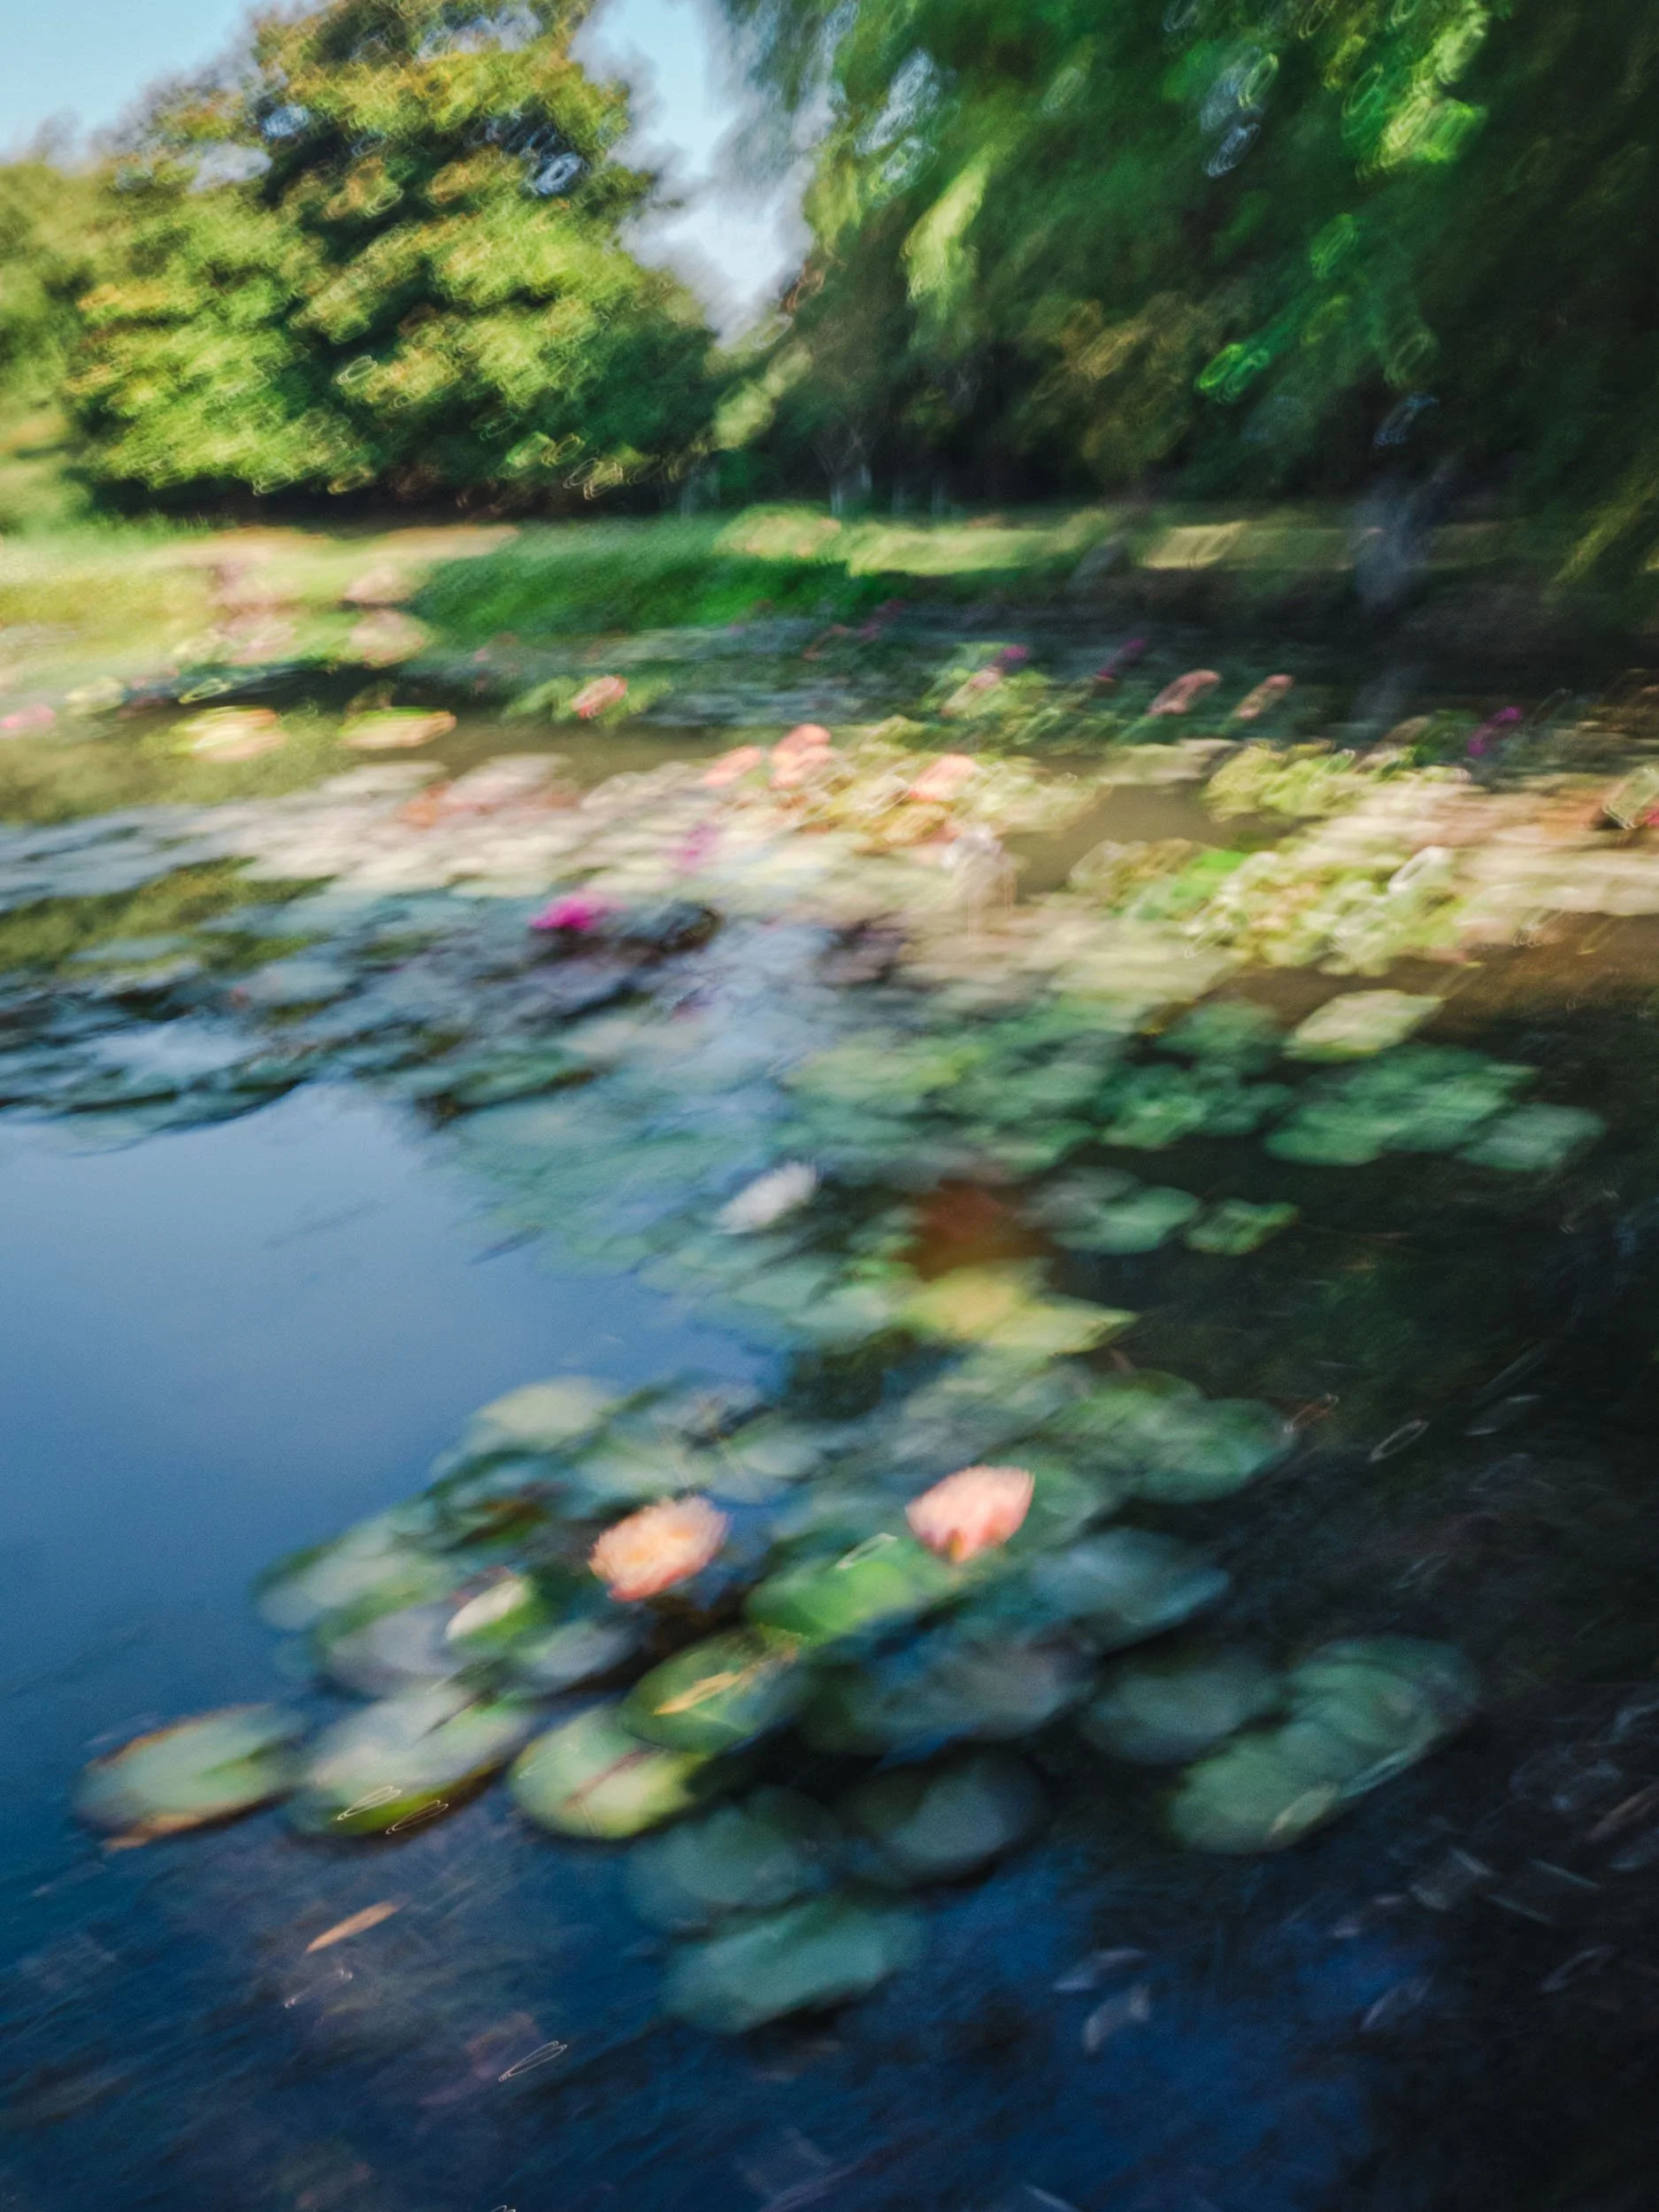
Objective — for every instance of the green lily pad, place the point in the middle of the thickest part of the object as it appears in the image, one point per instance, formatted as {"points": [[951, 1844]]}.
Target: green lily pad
{"points": [[717, 1695], [194, 1772], [1359, 1024], [1001, 1305], [544, 1417], [1228, 1032], [1193, 1451], [1235, 1226], [946, 1686], [933, 1824], [1535, 1139], [1151, 1109], [373, 1561], [1123, 1586], [884, 1580], [1163, 1712], [592, 1777], [752, 1857], [1138, 1222], [1360, 1713], [1332, 1136], [576, 1651], [405, 1760], [803, 1958]]}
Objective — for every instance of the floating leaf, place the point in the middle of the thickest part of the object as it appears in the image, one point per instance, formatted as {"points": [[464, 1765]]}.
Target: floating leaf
{"points": [[592, 1777], [405, 1760], [1360, 1712], [752, 1857], [1001, 1305], [933, 1824], [717, 1695], [1236, 1226], [805, 1957], [887, 1579], [1535, 1139], [1123, 1586], [1358, 1024], [194, 1772], [1163, 1712]]}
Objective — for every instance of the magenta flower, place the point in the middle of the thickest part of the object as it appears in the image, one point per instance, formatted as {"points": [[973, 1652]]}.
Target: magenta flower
{"points": [[578, 911], [1495, 726]]}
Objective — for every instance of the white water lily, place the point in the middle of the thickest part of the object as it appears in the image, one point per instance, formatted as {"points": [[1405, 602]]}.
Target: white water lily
{"points": [[780, 1191]]}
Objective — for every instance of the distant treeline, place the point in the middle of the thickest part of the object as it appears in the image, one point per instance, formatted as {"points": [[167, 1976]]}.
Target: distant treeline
{"points": [[1233, 249]]}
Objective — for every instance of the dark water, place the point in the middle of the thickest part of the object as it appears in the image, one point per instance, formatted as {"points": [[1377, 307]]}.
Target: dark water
{"points": [[217, 1345]]}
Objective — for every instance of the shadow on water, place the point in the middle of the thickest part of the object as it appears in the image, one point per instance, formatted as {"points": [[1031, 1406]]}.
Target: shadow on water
{"points": [[224, 1342]]}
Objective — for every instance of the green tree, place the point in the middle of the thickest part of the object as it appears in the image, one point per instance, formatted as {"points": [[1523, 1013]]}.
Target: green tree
{"points": [[386, 251]]}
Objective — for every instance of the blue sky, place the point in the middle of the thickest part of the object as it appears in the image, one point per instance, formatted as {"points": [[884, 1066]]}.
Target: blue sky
{"points": [[87, 59]]}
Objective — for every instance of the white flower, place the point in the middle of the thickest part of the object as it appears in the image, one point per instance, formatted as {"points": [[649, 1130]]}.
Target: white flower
{"points": [[780, 1191]]}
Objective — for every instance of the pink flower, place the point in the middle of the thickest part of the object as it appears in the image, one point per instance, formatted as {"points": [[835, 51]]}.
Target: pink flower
{"points": [[1013, 655], [971, 1512], [795, 757], [1177, 697], [594, 698], [1267, 693], [697, 844], [1125, 657], [731, 765], [658, 1546], [945, 777], [39, 716], [1495, 726], [579, 912]]}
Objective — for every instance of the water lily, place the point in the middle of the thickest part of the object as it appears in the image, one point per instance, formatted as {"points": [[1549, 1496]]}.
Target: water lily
{"points": [[579, 912], [807, 747], [1495, 726], [1267, 693], [1176, 698], [971, 1512], [593, 698], [730, 767], [944, 778], [39, 716], [782, 1190], [658, 1546]]}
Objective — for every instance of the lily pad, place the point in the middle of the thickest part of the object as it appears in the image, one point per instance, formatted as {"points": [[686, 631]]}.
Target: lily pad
{"points": [[752, 1857], [1535, 1139], [934, 1824], [1001, 1305], [887, 1579], [1358, 1024], [574, 1652], [1163, 1712], [1360, 1712], [544, 1417], [405, 1760], [372, 1562], [948, 1685], [1228, 1032], [1138, 1222], [805, 1957], [1236, 1226], [592, 1777], [1123, 1586], [717, 1695], [198, 1771]]}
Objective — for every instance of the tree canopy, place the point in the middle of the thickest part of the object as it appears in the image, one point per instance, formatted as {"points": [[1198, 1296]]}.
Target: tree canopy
{"points": [[385, 249]]}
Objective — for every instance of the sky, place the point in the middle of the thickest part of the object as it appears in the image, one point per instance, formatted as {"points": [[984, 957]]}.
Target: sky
{"points": [[81, 62]]}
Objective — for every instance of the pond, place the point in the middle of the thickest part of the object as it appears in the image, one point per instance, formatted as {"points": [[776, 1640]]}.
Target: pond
{"points": [[1244, 1794]]}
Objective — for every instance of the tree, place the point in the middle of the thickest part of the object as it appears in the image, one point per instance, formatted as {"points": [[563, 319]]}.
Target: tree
{"points": [[385, 249]]}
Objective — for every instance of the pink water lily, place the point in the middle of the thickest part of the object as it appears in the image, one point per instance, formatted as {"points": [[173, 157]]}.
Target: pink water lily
{"points": [[971, 1512], [731, 765], [1177, 697], [944, 778], [581, 912], [794, 758], [1126, 655], [40, 717], [1495, 726], [658, 1546], [1267, 693], [594, 698]]}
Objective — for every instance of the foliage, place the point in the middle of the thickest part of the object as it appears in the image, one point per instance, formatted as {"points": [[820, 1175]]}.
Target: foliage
{"points": [[1274, 245], [386, 253]]}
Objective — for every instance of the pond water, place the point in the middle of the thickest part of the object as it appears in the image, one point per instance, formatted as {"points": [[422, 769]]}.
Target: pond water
{"points": [[314, 1147]]}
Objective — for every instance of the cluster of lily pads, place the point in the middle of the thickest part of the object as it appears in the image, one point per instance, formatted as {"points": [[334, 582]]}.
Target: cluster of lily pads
{"points": [[793, 1656]]}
